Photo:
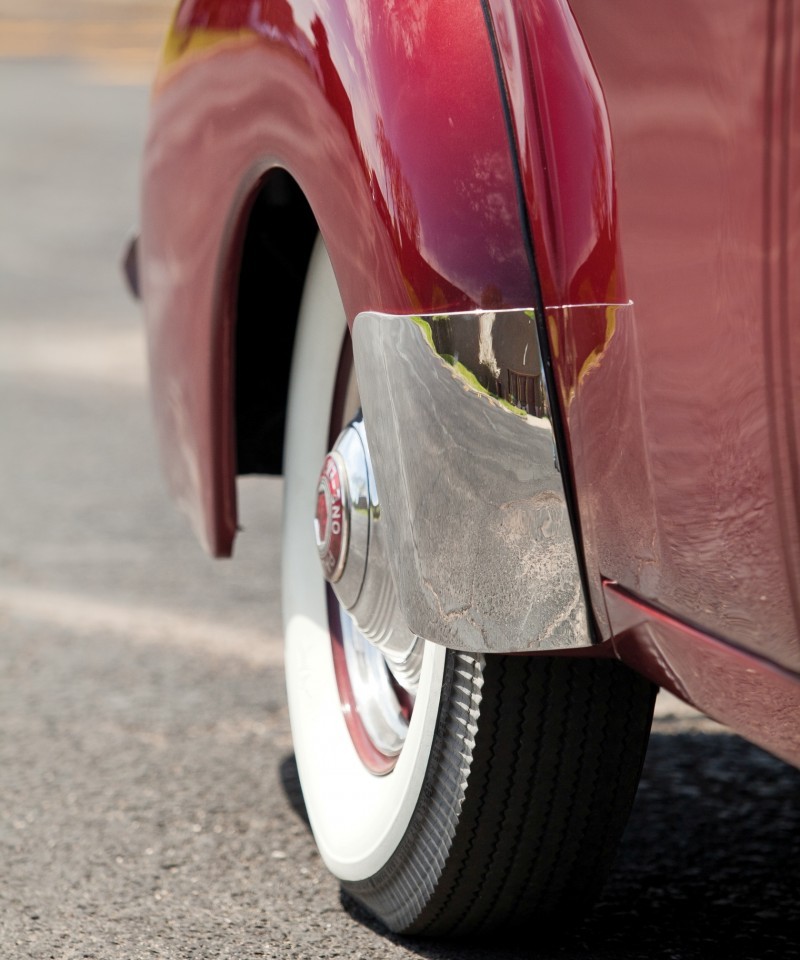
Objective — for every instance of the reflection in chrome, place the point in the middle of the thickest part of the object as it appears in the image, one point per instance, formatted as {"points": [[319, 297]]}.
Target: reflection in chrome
{"points": [[373, 692], [364, 587], [482, 550]]}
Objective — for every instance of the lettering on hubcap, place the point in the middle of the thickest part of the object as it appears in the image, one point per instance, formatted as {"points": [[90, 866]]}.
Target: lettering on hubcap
{"points": [[331, 519]]}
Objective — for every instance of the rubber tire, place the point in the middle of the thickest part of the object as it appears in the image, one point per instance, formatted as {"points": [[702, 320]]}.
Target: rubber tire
{"points": [[509, 798], [549, 783]]}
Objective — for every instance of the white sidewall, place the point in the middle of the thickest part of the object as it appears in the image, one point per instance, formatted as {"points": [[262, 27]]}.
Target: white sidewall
{"points": [[358, 818]]}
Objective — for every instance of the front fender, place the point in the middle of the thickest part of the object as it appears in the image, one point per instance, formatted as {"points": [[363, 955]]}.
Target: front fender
{"points": [[391, 120]]}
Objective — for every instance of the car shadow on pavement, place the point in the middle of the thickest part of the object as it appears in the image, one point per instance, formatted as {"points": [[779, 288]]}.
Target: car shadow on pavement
{"points": [[290, 783], [709, 865]]}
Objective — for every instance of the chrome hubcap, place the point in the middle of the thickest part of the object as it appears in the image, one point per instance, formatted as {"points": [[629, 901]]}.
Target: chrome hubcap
{"points": [[381, 652]]}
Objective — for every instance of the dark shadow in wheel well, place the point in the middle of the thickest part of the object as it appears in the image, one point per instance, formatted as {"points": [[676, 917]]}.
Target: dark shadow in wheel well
{"points": [[278, 238]]}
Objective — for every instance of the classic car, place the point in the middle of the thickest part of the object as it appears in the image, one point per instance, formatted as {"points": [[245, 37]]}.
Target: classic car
{"points": [[506, 289]]}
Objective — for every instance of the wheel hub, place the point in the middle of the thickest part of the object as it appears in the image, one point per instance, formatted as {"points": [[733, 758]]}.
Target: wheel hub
{"points": [[351, 543]]}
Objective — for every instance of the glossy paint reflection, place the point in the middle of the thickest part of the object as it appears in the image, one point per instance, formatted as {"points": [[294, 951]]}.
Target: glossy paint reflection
{"points": [[408, 84], [700, 236], [390, 119], [564, 144]]}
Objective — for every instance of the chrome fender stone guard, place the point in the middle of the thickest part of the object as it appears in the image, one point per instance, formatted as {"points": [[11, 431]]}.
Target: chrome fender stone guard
{"points": [[480, 542]]}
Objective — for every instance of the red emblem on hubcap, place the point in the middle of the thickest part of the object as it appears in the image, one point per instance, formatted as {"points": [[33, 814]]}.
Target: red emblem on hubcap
{"points": [[330, 521]]}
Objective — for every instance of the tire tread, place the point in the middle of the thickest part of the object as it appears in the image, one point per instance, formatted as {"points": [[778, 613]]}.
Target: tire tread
{"points": [[531, 780]]}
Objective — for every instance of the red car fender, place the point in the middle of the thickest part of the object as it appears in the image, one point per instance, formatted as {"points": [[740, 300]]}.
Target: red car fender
{"points": [[392, 123]]}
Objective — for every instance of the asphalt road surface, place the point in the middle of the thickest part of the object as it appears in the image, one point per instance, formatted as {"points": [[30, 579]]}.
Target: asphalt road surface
{"points": [[148, 797]]}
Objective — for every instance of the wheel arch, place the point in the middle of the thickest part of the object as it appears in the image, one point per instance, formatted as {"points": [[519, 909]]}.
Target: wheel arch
{"points": [[392, 185], [277, 236]]}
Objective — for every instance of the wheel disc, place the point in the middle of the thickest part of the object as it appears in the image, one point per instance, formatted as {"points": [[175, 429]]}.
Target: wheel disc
{"points": [[377, 660]]}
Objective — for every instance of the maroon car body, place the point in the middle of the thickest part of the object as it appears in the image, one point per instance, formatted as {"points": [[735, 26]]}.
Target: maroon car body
{"points": [[646, 157], [562, 235]]}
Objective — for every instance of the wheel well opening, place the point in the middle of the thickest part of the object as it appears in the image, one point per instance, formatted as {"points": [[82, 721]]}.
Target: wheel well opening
{"points": [[277, 244]]}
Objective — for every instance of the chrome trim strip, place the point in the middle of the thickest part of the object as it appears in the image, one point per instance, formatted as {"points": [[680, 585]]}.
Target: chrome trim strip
{"points": [[458, 419]]}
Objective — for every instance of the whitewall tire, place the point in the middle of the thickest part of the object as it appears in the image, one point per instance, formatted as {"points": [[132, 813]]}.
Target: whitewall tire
{"points": [[358, 819]]}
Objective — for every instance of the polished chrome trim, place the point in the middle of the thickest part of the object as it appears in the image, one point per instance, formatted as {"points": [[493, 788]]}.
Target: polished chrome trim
{"points": [[375, 697], [365, 586], [463, 450]]}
